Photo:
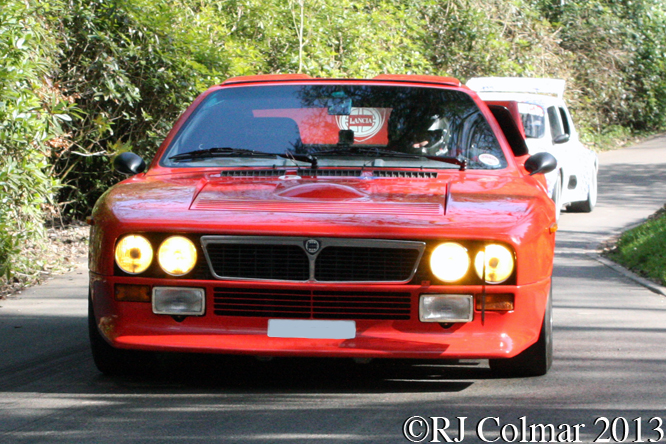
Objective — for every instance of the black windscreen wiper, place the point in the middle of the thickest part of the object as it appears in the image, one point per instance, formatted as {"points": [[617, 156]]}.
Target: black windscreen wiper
{"points": [[220, 152], [301, 158], [241, 152], [371, 151]]}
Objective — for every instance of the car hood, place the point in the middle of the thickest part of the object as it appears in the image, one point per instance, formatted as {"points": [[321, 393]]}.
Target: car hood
{"points": [[456, 205]]}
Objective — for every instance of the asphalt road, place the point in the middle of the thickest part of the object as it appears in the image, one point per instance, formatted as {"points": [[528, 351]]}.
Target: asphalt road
{"points": [[610, 363]]}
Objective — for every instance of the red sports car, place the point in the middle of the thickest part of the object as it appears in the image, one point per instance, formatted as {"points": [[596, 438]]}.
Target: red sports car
{"points": [[393, 217]]}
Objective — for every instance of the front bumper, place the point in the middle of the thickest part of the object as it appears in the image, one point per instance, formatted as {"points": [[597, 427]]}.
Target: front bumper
{"points": [[133, 325]]}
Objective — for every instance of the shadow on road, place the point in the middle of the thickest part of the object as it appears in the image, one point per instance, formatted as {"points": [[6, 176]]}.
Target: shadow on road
{"points": [[311, 374]]}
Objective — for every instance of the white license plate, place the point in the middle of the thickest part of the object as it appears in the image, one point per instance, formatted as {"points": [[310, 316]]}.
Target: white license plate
{"points": [[309, 329]]}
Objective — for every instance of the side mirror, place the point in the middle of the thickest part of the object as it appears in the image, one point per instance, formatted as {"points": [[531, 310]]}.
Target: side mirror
{"points": [[129, 163], [562, 138], [540, 163]]}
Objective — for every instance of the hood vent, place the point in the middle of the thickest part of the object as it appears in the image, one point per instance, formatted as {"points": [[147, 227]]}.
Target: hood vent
{"points": [[300, 172], [251, 173], [328, 173], [406, 174]]}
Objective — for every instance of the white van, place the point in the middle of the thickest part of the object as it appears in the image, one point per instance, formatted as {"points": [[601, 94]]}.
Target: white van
{"points": [[548, 127]]}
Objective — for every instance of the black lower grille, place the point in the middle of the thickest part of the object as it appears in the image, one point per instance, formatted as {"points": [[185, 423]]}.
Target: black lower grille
{"points": [[354, 264], [305, 304], [254, 261]]}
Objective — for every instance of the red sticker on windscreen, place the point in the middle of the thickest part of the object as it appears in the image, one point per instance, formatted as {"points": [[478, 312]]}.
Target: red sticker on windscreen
{"points": [[365, 122]]}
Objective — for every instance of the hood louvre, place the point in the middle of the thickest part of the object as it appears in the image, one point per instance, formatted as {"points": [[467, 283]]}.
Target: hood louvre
{"points": [[251, 173], [329, 173], [406, 174]]}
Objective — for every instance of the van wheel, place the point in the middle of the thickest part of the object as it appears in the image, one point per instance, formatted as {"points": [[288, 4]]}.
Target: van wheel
{"points": [[587, 205]]}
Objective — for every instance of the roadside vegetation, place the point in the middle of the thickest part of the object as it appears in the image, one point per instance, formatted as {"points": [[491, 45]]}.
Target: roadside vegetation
{"points": [[82, 81], [643, 248]]}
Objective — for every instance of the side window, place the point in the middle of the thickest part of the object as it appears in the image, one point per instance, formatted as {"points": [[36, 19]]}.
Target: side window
{"points": [[565, 121], [554, 121], [534, 120]]}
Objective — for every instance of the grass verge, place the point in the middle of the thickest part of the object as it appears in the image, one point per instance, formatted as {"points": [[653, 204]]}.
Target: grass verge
{"points": [[643, 248]]}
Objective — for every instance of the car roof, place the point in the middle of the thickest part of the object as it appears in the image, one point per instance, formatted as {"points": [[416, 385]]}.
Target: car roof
{"points": [[411, 78], [518, 85], [544, 92], [535, 99]]}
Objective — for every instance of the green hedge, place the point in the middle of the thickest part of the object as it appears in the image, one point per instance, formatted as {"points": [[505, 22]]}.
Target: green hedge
{"points": [[31, 114]]}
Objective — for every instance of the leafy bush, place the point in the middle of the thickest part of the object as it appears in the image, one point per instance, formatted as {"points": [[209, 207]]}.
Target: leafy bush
{"points": [[330, 38], [611, 53], [472, 38], [618, 61], [131, 67], [31, 111]]}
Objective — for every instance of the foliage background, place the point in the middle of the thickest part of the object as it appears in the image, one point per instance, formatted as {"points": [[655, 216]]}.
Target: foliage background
{"points": [[81, 81]]}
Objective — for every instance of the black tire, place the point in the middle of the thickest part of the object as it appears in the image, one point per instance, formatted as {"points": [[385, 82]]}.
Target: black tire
{"points": [[587, 205], [535, 360], [110, 360]]}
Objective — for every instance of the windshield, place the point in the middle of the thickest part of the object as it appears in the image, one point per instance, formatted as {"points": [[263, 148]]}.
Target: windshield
{"points": [[534, 120], [336, 125]]}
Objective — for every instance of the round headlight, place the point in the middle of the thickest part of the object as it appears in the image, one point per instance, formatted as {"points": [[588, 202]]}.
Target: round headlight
{"points": [[177, 255], [498, 263], [449, 261], [134, 254]]}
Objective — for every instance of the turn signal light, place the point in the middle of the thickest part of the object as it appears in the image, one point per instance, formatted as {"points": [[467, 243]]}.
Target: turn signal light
{"points": [[132, 293], [495, 302]]}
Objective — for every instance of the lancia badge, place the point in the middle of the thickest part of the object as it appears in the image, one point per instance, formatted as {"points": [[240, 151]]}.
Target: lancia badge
{"points": [[312, 246]]}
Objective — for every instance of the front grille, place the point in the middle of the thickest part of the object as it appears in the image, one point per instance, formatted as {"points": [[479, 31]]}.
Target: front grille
{"points": [[352, 264], [305, 304], [254, 261], [336, 260]]}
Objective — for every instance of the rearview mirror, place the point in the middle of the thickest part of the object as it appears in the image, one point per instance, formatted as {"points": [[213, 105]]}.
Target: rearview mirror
{"points": [[540, 163], [129, 163]]}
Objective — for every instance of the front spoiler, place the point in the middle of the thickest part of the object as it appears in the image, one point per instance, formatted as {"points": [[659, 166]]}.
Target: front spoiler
{"points": [[132, 325]]}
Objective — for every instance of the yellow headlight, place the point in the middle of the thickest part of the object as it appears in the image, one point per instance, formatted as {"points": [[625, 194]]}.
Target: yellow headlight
{"points": [[134, 254], [449, 261], [177, 255], [498, 263]]}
